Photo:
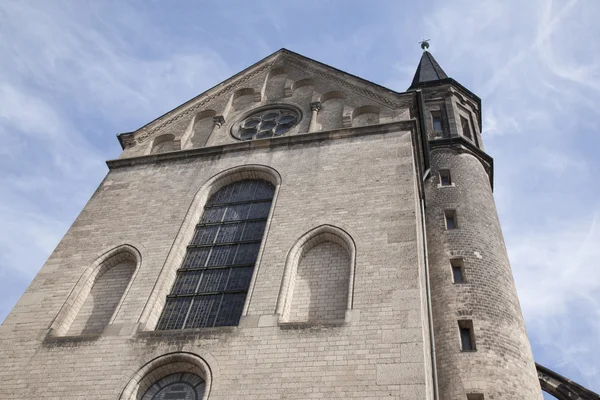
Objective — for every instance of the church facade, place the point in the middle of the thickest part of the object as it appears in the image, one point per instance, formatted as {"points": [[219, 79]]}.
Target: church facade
{"points": [[295, 232]]}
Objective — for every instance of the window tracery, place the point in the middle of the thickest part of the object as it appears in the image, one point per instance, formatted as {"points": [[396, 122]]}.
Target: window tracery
{"points": [[266, 123]]}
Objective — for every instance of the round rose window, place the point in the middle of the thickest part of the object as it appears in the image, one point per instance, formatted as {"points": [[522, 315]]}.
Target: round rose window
{"points": [[266, 123]]}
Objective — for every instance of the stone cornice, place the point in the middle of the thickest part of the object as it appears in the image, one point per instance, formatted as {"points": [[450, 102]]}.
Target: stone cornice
{"points": [[407, 125]]}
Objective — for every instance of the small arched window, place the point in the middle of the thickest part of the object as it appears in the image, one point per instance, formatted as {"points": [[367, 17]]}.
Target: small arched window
{"points": [[212, 283]]}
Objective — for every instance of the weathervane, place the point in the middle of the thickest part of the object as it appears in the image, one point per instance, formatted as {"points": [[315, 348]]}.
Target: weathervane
{"points": [[424, 44]]}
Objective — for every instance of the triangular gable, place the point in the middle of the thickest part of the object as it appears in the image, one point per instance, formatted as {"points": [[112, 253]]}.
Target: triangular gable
{"points": [[281, 59]]}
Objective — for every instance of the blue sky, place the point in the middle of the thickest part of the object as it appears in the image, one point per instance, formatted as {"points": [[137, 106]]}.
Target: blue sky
{"points": [[75, 73]]}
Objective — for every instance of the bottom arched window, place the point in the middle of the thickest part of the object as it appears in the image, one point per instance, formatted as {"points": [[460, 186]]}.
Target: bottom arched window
{"points": [[181, 386]]}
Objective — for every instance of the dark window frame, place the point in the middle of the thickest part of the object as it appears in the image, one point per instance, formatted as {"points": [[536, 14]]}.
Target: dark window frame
{"points": [[466, 127], [458, 269], [437, 119], [445, 177], [466, 335], [450, 220]]}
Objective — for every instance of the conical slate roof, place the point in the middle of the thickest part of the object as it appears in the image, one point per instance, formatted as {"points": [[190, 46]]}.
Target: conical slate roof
{"points": [[427, 71]]}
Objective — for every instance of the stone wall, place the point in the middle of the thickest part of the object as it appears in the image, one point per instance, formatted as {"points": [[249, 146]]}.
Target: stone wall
{"points": [[360, 181]]}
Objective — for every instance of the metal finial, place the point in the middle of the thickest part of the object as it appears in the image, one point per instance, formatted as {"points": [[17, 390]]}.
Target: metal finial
{"points": [[425, 44]]}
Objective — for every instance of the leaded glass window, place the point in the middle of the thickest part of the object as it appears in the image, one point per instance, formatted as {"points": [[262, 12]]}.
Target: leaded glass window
{"points": [[181, 386], [211, 285]]}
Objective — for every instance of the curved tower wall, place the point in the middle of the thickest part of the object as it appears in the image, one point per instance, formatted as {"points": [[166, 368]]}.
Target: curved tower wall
{"points": [[501, 366]]}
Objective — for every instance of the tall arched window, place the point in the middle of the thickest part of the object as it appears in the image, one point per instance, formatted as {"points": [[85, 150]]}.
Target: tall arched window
{"points": [[211, 285]]}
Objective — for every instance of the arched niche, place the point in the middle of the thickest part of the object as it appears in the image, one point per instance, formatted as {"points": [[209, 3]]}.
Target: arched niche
{"points": [[152, 310], [332, 108], [365, 115], [189, 365], [318, 280], [303, 89], [202, 126], [243, 98], [275, 88], [97, 296], [163, 144]]}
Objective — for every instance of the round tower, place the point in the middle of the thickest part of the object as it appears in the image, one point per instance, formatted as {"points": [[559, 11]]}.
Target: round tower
{"points": [[481, 345]]}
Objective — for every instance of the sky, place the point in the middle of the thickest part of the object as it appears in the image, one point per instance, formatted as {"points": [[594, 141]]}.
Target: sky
{"points": [[76, 73]]}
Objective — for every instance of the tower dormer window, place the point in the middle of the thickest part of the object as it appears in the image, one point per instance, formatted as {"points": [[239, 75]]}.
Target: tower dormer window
{"points": [[436, 117], [467, 336], [466, 128], [445, 178], [267, 123]]}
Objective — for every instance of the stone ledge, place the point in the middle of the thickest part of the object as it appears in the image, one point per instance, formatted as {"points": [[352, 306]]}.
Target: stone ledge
{"points": [[311, 325], [193, 333], [407, 125], [60, 341]]}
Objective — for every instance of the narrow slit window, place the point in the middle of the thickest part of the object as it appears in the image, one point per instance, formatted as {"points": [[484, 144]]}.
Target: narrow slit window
{"points": [[458, 270], [436, 117], [467, 337], [445, 178], [466, 128], [451, 222], [213, 280], [475, 396]]}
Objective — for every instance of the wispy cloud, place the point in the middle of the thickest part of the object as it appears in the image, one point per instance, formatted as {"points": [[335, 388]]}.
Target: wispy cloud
{"points": [[78, 74], [559, 287]]}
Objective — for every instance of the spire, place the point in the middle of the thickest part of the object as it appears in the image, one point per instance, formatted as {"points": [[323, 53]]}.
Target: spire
{"points": [[428, 70]]}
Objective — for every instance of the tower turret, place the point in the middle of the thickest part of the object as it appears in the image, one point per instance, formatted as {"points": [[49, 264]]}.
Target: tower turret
{"points": [[428, 71], [482, 349]]}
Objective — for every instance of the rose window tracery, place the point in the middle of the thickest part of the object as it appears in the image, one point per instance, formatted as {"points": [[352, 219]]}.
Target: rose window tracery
{"points": [[267, 123]]}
